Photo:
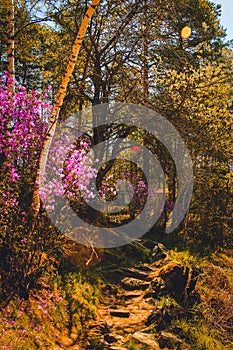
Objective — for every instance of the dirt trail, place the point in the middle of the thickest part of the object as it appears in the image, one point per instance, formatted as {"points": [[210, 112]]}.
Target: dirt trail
{"points": [[124, 311], [129, 309]]}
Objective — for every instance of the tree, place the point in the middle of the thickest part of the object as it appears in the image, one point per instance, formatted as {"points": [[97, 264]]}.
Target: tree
{"points": [[133, 52], [198, 102], [35, 45], [10, 38], [59, 100]]}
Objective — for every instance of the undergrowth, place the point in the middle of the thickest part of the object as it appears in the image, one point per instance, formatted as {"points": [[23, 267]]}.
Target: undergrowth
{"points": [[55, 309]]}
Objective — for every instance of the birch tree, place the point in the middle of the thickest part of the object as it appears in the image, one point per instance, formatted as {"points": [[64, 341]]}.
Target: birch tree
{"points": [[10, 38], [59, 100]]}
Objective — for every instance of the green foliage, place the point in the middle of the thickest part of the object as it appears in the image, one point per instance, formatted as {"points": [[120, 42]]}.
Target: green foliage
{"points": [[64, 302], [216, 287], [199, 336], [133, 345], [196, 100], [210, 326], [82, 295], [166, 301], [26, 253], [132, 53], [186, 258], [33, 323]]}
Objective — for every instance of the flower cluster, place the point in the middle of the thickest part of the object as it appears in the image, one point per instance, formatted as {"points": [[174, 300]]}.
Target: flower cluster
{"points": [[25, 323], [122, 186], [108, 188], [23, 124], [23, 116], [76, 173]]}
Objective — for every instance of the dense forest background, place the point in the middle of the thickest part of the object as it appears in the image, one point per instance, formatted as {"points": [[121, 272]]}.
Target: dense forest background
{"points": [[132, 52]]}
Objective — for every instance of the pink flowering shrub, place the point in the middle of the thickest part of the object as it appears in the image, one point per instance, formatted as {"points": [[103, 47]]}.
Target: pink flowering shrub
{"points": [[23, 238], [23, 117], [23, 124], [77, 172]]}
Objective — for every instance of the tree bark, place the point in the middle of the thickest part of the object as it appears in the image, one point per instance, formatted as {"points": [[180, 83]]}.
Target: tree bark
{"points": [[59, 100], [145, 56], [10, 28]]}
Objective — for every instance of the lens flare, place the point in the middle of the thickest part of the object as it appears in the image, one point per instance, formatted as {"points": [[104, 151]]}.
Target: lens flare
{"points": [[185, 32]]}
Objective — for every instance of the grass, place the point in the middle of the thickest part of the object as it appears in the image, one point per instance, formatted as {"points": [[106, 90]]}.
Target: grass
{"points": [[199, 336], [50, 314], [211, 327], [186, 258], [66, 303], [133, 345]]}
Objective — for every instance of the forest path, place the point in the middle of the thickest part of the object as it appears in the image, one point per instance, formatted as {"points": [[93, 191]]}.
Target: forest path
{"points": [[124, 311], [130, 312]]}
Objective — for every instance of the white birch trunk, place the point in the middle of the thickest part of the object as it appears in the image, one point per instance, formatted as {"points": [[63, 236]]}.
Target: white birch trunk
{"points": [[59, 100], [10, 28]]}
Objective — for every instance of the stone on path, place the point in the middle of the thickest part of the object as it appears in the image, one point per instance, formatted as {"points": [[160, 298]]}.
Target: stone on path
{"points": [[148, 341], [159, 252], [130, 295], [130, 283], [170, 341], [136, 273], [120, 313]]}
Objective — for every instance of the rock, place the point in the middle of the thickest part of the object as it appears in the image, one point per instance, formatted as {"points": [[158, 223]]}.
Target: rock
{"points": [[113, 338], [147, 268], [77, 254], [65, 341], [149, 341], [120, 313], [175, 277], [193, 281], [130, 283], [159, 252], [131, 295], [157, 288], [161, 318], [109, 338], [170, 341], [135, 273], [104, 328]]}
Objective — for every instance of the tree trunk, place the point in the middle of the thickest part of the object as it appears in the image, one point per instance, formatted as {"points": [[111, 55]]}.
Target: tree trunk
{"points": [[10, 39], [59, 100], [145, 56], [145, 74], [10, 29], [98, 132]]}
